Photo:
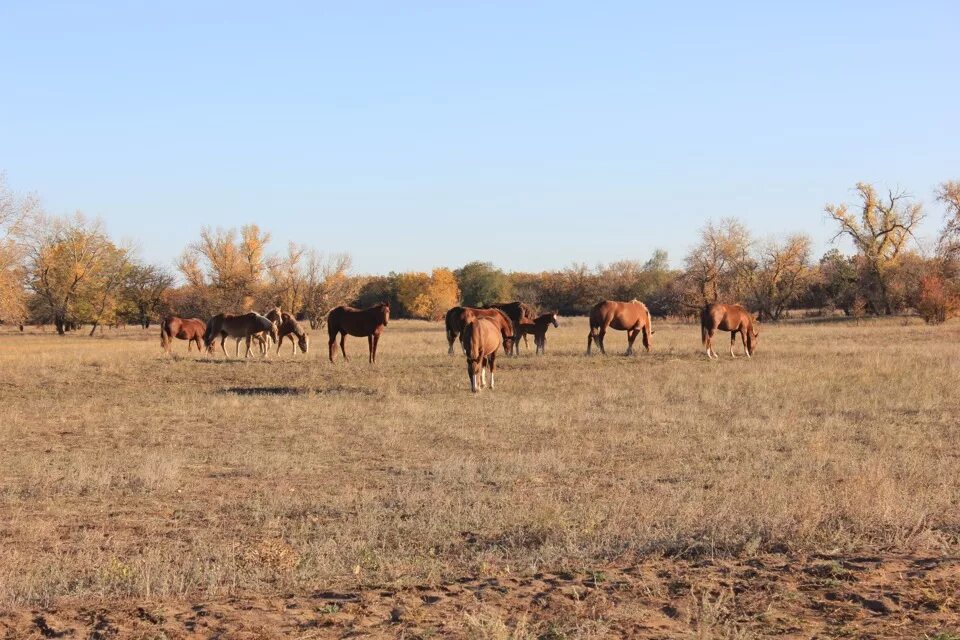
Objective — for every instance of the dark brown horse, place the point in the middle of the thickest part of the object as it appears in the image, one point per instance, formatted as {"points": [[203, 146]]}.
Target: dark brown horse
{"points": [[459, 317], [239, 327], [481, 341], [357, 322], [517, 312], [728, 317], [632, 317], [538, 329], [290, 328], [189, 329]]}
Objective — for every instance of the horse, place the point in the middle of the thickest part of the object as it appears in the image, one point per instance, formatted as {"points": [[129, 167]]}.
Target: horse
{"points": [[458, 317], [539, 328], [632, 317], [517, 312], [728, 317], [357, 322], [481, 340], [189, 329], [237, 327], [289, 327]]}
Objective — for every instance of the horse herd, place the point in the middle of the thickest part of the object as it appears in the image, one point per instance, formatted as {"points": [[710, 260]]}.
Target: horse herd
{"points": [[482, 331]]}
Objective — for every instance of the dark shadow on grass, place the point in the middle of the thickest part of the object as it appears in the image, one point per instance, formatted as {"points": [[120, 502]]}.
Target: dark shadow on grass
{"points": [[265, 391]]}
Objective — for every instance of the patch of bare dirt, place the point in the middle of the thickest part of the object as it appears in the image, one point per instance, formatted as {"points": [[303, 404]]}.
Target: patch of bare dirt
{"points": [[771, 595]]}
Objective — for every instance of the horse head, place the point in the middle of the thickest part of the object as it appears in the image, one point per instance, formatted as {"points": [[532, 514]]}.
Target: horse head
{"points": [[303, 342], [553, 319], [385, 310]]}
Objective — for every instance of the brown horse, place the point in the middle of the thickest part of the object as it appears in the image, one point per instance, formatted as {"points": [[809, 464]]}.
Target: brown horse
{"points": [[459, 317], [238, 327], [517, 312], [357, 322], [189, 329], [538, 328], [481, 340], [632, 317], [728, 317], [290, 328]]}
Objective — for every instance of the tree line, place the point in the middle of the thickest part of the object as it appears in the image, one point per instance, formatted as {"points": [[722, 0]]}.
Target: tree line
{"points": [[67, 271]]}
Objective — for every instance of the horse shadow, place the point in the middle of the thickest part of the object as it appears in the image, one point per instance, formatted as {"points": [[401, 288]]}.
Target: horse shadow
{"points": [[264, 391]]}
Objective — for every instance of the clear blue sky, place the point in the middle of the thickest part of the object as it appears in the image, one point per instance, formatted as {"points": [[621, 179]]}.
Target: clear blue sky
{"points": [[418, 134]]}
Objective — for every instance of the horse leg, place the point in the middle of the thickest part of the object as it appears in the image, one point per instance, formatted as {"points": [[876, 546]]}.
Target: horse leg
{"points": [[332, 345], [223, 340], [376, 341], [483, 372], [370, 348], [450, 338], [710, 351], [472, 375], [493, 366], [246, 354], [631, 336], [343, 345], [743, 338], [733, 341]]}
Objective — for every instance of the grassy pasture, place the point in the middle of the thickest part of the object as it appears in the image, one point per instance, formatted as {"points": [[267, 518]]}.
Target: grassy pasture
{"points": [[125, 473]]}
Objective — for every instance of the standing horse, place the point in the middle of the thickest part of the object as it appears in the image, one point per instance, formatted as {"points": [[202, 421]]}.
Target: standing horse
{"points": [[481, 340], [539, 328], [238, 327], [632, 317], [517, 312], [728, 317], [357, 322], [189, 329], [289, 327], [459, 317]]}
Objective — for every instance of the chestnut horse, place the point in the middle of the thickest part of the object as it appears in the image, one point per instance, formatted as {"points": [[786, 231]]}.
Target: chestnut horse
{"points": [[728, 317], [517, 312], [290, 328], [481, 340], [458, 318], [632, 317], [357, 322], [189, 329], [538, 328], [238, 327]]}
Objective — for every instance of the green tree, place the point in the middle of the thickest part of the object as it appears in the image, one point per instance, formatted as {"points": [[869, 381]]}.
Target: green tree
{"points": [[481, 283]]}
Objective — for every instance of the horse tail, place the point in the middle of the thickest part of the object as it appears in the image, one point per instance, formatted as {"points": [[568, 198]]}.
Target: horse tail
{"points": [[647, 330], [164, 339]]}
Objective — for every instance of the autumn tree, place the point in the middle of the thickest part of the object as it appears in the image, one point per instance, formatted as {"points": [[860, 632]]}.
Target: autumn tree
{"points": [[16, 214], [777, 275], [715, 267], [70, 261], [230, 265], [435, 295], [327, 285], [145, 290], [880, 228]]}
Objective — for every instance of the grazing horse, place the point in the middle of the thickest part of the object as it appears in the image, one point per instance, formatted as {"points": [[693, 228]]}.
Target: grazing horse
{"points": [[238, 327], [632, 317], [728, 317], [357, 322], [517, 312], [539, 328], [189, 329], [289, 327], [481, 340], [458, 318]]}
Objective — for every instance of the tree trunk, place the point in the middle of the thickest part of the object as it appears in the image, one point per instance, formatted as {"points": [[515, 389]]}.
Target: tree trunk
{"points": [[93, 329], [59, 323]]}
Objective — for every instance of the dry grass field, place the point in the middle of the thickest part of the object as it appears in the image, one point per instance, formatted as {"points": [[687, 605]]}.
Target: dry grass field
{"points": [[813, 490]]}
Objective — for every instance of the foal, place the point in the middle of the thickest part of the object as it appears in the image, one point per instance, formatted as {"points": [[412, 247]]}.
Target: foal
{"points": [[538, 328]]}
